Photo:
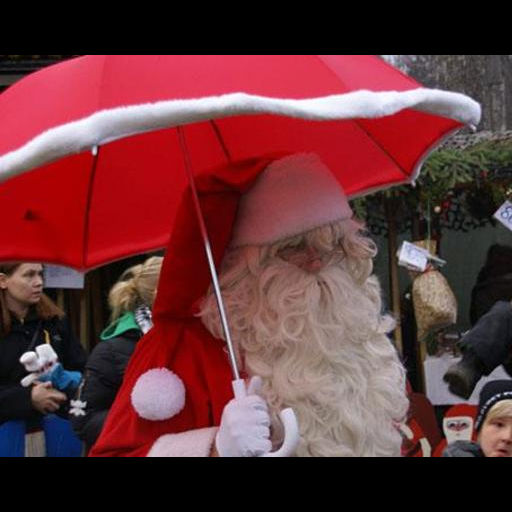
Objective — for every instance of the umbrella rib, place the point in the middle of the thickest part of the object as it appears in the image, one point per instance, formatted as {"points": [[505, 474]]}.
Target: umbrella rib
{"points": [[95, 152], [209, 254], [382, 148], [221, 140], [328, 67]]}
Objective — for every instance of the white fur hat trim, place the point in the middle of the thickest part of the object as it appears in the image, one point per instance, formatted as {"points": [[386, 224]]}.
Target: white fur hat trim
{"points": [[158, 394], [292, 195]]}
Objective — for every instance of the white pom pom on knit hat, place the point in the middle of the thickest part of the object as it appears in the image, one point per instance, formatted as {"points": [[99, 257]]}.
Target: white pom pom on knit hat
{"points": [[293, 195]]}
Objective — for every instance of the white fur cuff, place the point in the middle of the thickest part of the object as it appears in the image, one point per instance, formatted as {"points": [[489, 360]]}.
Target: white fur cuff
{"points": [[193, 443]]}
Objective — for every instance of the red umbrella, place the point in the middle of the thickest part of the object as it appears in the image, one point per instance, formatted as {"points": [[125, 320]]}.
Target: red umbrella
{"points": [[109, 137], [86, 208]]}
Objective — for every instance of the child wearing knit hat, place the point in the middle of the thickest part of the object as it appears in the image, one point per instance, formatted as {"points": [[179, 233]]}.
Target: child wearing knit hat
{"points": [[493, 424]]}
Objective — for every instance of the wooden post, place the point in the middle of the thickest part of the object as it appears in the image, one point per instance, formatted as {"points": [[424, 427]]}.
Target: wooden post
{"points": [[393, 272], [60, 299], [421, 355], [421, 341], [84, 316]]}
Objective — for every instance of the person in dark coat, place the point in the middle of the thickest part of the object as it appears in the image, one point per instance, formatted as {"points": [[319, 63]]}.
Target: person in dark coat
{"points": [[130, 300], [494, 282], [29, 318], [489, 343], [493, 424]]}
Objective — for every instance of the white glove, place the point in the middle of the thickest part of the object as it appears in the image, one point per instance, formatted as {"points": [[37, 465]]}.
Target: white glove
{"points": [[245, 425]]}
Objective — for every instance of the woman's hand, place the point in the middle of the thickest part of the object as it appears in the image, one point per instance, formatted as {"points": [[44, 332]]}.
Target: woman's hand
{"points": [[46, 399]]}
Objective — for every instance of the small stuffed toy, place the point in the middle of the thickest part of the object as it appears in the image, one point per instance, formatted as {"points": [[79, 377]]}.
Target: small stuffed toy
{"points": [[44, 366], [458, 425]]}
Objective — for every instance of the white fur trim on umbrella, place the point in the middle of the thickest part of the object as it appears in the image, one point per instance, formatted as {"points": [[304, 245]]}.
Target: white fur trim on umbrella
{"points": [[112, 124], [193, 443], [158, 394]]}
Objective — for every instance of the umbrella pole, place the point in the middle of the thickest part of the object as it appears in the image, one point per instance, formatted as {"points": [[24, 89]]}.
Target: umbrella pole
{"points": [[209, 255], [288, 418]]}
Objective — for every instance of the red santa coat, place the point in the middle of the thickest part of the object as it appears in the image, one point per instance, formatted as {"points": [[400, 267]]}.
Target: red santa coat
{"points": [[179, 380], [187, 352]]}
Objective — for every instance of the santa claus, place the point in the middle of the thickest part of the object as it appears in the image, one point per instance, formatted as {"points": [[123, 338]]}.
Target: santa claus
{"points": [[306, 319]]}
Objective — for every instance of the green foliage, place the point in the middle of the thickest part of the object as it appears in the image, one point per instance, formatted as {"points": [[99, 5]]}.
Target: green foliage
{"points": [[476, 174]]}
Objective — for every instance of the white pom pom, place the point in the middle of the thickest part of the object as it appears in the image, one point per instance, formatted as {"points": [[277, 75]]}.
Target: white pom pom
{"points": [[158, 394]]}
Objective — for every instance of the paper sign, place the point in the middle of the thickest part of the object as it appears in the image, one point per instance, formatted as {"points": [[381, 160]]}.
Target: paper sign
{"points": [[62, 277], [504, 214], [412, 257]]}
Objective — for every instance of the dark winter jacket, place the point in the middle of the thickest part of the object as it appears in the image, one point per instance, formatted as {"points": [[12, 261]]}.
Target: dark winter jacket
{"points": [[463, 449], [494, 282], [491, 338], [104, 374], [15, 400]]}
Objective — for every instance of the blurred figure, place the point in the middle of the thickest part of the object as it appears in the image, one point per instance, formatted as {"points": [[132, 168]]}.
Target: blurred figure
{"points": [[494, 282], [28, 318], [130, 301], [484, 348], [493, 424], [489, 343]]}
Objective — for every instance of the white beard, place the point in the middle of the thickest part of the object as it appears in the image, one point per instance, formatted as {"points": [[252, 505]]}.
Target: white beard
{"points": [[318, 342]]}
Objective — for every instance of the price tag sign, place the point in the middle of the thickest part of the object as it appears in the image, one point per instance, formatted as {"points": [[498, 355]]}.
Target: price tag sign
{"points": [[412, 257], [62, 277], [504, 214]]}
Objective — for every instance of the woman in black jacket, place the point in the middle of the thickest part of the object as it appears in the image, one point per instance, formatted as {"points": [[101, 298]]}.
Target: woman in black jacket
{"points": [[130, 300], [29, 318]]}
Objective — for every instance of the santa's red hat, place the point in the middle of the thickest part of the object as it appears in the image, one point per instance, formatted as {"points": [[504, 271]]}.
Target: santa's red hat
{"points": [[293, 195], [252, 202], [185, 275]]}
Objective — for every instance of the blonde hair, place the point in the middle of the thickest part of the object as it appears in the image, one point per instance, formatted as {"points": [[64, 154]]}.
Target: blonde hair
{"points": [[502, 409], [317, 340], [136, 286]]}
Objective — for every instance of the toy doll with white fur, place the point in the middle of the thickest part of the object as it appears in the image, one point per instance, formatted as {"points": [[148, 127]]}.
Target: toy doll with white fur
{"points": [[44, 366]]}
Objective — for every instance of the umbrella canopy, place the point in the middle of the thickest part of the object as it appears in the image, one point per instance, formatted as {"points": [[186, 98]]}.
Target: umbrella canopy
{"points": [[99, 133]]}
